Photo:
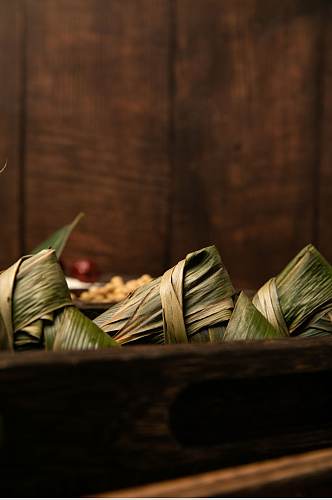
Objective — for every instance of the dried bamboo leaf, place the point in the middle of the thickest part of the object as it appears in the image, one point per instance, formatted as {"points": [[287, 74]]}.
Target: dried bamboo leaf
{"points": [[247, 323], [3, 168], [72, 330], [3, 335], [172, 304], [34, 299], [301, 291], [58, 240], [193, 297], [267, 302], [216, 334], [210, 335], [319, 326], [40, 288]]}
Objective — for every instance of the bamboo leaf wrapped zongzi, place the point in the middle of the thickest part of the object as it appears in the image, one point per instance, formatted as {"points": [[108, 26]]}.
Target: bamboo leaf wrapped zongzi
{"points": [[37, 312], [299, 295], [192, 302]]}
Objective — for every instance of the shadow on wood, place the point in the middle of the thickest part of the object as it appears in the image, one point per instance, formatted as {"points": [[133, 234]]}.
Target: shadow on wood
{"points": [[306, 475], [78, 423]]}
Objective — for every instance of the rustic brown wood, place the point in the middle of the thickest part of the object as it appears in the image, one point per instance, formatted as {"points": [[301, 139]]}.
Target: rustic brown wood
{"points": [[245, 131], [11, 116], [308, 474], [97, 122], [225, 103], [324, 163], [79, 423]]}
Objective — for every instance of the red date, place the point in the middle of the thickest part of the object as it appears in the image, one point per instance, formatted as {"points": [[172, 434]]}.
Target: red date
{"points": [[85, 270]]}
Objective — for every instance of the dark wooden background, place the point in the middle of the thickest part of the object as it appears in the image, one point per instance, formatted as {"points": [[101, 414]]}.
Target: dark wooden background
{"points": [[172, 124]]}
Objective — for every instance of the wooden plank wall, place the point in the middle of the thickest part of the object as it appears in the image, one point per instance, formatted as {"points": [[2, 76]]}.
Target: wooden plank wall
{"points": [[11, 104], [172, 124], [97, 127], [246, 118], [324, 163]]}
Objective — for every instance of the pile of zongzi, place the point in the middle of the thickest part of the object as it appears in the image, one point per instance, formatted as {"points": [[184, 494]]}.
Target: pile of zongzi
{"points": [[298, 302], [194, 301]]}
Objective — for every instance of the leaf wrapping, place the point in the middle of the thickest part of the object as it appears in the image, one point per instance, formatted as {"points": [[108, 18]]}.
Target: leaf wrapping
{"points": [[36, 309], [247, 323], [190, 302], [300, 297]]}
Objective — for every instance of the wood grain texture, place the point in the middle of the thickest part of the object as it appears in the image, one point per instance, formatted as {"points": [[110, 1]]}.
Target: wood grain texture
{"points": [[324, 166], [306, 475], [173, 124], [97, 121], [100, 421], [11, 33], [245, 131]]}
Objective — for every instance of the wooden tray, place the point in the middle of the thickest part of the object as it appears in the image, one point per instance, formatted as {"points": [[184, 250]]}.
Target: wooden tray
{"points": [[78, 423], [305, 475]]}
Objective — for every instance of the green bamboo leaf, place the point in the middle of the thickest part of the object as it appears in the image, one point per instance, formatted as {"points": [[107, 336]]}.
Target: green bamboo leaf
{"points": [[319, 326], [247, 323], [216, 334], [40, 289], [74, 331], [7, 282], [192, 299], [304, 286], [36, 309], [213, 335], [58, 240], [301, 292]]}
